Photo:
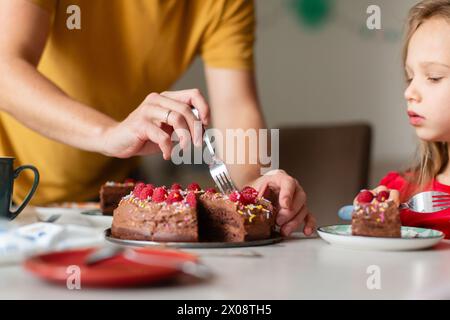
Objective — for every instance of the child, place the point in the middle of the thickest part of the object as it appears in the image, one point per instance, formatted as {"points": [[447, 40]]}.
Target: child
{"points": [[427, 70]]}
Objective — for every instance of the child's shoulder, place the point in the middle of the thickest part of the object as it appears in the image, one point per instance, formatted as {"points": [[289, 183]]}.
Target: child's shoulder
{"points": [[395, 180], [401, 181]]}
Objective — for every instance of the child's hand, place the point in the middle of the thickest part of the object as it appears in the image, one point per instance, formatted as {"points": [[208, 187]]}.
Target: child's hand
{"points": [[394, 195], [290, 199]]}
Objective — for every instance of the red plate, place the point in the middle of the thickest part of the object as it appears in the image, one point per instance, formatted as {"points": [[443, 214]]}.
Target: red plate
{"points": [[114, 272]]}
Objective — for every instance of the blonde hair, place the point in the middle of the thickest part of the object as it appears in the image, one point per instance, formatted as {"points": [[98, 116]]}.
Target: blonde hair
{"points": [[432, 157]]}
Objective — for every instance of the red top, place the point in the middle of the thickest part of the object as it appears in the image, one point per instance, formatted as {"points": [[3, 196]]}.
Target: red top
{"points": [[437, 221]]}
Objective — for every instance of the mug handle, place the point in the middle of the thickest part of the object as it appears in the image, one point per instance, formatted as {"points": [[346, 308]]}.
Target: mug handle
{"points": [[31, 193]]}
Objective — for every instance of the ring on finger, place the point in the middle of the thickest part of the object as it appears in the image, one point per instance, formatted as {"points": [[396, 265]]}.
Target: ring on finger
{"points": [[167, 116]]}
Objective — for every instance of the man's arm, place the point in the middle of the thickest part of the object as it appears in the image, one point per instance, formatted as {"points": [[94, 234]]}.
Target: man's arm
{"points": [[30, 97], [235, 105], [39, 104], [234, 97]]}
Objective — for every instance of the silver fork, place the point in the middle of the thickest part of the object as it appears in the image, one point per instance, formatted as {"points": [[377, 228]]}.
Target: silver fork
{"points": [[217, 167], [428, 202], [195, 269], [50, 219]]}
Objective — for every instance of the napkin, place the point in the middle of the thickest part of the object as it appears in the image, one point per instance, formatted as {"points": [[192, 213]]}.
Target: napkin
{"points": [[17, 242]]}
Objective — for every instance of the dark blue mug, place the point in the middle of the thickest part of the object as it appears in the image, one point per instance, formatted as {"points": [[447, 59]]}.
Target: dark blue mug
{"points": [[7, 176]]}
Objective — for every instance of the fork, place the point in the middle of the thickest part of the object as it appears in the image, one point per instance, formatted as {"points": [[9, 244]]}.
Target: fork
{"points": [[195, 269], [424, 202], [50, 219], [217, 167], [428, 202]]}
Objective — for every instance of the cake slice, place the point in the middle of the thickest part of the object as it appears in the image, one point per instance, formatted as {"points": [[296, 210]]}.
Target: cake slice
{"points": [[155, 214], [230, 218], [191, 215], [376, 216], [111, 193]]}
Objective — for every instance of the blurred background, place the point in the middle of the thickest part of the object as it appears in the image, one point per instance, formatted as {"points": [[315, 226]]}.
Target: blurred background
{"points": [[320, 70]]}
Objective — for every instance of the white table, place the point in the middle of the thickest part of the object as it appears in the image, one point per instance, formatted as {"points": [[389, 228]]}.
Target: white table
{"points": [[298, 268]]}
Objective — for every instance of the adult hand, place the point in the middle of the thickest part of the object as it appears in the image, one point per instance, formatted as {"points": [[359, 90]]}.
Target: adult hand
{"points": [[148, 129]]}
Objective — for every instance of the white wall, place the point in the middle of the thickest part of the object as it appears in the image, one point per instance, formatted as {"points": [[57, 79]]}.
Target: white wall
{"points": [[333, 74]]}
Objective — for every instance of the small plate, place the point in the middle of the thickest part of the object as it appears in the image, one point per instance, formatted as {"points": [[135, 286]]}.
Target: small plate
{"points": [[117, 271], [276, 237], [64, 207], [412, 239]]}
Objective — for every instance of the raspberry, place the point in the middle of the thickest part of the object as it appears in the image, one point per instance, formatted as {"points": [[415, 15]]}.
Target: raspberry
{"points": [[174, 196], [191, 199], [159, 195], [248, 195], [365, 196], [146, 192], [129, 180], [383, 196], [235, 196], [138, 188], [176, 186], [211, 190], [194, 187]]}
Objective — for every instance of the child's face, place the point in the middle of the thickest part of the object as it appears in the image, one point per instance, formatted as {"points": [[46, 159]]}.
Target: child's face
{"points": [[428, 74]]}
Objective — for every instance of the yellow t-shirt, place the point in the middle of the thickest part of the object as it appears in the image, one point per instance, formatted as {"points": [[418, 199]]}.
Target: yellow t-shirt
{"points": [[124, 50]]}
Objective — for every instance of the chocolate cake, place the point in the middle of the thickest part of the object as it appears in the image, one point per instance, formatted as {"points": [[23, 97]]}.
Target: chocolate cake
{"points": [[191, 215], [111, 193], [224, 220], [376, 216]]}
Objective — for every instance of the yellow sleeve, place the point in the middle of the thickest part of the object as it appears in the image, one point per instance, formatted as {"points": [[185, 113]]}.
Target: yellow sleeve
{"points": [[228, 41], [48, 5]]}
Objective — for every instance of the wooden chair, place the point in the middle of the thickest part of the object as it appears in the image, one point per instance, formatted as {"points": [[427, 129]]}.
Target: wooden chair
{"points": [[330, 162]]}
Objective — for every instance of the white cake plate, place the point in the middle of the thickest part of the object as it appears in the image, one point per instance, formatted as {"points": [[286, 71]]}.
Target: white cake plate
{"points": [[412, 239]]}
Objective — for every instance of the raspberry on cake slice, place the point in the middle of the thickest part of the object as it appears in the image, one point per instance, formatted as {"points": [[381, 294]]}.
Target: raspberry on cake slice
{"points": [[164, 216], [375, 215]]}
